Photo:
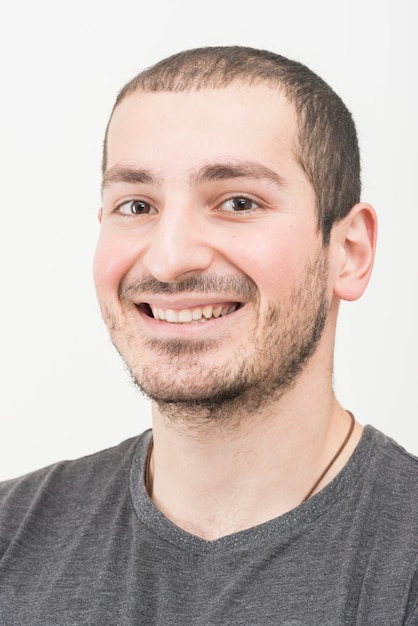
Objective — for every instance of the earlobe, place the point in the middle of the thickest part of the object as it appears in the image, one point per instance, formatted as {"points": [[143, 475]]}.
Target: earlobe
{"points": [[100, 215], [356, 236]]}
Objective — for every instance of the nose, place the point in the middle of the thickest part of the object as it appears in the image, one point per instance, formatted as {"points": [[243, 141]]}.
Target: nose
{"points": [[179, 246]]}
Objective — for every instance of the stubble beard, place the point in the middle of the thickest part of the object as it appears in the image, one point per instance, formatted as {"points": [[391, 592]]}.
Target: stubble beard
{"points": [[189, 391]]}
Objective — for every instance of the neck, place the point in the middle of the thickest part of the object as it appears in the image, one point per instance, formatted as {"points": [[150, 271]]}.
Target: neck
{"points": [[216, 478]]}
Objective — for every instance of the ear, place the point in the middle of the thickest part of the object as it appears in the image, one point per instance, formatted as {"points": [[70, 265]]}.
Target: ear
{"points": [[355, 240], [100, 215]]}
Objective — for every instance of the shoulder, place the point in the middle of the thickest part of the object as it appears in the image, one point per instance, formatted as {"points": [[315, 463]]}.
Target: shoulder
{"points": [[63, 489], [391, 483], [392, 459], [385, 518], [85, 468]]}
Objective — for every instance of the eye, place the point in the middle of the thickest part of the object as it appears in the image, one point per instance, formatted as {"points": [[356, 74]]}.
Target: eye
{"points": [[239, 203], [135, 207]]}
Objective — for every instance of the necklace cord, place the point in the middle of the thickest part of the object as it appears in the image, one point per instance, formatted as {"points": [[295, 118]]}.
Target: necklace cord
{"points": [[334, 458], [148, 484], [148, 480]]}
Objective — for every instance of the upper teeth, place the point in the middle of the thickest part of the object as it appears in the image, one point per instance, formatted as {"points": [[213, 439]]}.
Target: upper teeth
{"points": [[197, 314]]}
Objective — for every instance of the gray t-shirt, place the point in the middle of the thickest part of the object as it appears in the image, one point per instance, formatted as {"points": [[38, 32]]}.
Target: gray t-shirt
{"points": [[82, 544]]}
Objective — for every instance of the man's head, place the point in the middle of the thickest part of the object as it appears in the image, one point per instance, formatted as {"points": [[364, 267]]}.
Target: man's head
{"points": [[214, 274], [326, 144]]}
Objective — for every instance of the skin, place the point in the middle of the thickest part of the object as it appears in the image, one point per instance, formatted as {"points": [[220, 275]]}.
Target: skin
{"points": [[179, 234]]}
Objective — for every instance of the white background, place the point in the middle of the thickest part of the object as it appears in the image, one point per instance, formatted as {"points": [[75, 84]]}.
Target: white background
{"points": [[64, 392]]}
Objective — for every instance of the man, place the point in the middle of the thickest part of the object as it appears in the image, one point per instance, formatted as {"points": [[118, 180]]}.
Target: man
{"points": [[231, 228]]}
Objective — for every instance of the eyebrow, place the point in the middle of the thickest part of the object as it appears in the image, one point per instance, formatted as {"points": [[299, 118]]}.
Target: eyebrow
{"points": [[212, 172], [130, 175], [240, 169]]}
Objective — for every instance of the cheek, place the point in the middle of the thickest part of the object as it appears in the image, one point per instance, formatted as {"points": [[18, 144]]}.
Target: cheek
{"points": [[271, 262], [112, 260]]}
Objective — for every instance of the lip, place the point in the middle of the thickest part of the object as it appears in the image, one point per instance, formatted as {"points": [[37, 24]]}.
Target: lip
{"points": [[176, 326], [179, 302]]}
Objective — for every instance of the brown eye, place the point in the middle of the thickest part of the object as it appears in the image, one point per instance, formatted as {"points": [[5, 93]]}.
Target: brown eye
{"points": [[238, 203], [135, 207], [242, 204]]}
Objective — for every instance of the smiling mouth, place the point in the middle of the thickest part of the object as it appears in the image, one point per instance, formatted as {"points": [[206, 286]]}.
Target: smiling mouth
{"points": [[196, 314]]}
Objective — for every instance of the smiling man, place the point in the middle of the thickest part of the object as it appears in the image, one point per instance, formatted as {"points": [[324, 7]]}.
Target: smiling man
{"points": [[195, 217], [231, 229]]}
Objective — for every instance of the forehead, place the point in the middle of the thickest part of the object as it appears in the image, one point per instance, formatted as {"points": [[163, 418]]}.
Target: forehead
{"points": [[236, 122]]}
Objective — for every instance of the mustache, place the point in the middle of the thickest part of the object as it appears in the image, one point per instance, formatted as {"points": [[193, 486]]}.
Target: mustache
{"points": [[241, 287]]}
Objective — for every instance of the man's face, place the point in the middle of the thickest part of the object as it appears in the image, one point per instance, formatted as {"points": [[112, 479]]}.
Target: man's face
{"points": [[209, 269]]}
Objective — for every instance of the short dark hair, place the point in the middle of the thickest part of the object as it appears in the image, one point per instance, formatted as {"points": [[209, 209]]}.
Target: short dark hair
{"points": [[326, 144]]}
